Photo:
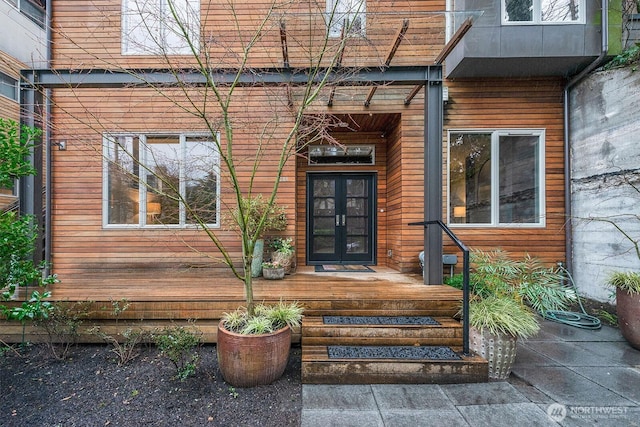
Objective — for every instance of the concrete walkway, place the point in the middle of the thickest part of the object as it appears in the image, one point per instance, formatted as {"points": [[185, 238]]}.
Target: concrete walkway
{"points": [[564, 376]]}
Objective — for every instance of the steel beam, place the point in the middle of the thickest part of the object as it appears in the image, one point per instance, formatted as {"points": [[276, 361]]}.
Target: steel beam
{"points": [[433, 119], [341, 76]]}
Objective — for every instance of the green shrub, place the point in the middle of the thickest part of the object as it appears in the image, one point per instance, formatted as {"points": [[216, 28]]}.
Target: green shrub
{"points": [[179, 345]]}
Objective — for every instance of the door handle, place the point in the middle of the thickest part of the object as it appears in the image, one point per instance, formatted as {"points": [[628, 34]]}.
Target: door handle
{"points": [[337, 220], [344, 220]]}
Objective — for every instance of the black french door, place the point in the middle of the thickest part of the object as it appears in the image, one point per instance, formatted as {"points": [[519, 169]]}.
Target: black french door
{"points": [[341, 216]]}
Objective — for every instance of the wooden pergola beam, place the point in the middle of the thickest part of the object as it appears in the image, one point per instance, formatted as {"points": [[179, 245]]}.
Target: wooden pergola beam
{"points": [[338, 63], [446, 50], [453, 42], [285, 57], [399, 36], [283, 44]]}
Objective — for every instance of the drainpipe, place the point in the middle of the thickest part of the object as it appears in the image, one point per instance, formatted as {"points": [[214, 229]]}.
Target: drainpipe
{"points": [[47, 142], [567, 131]]}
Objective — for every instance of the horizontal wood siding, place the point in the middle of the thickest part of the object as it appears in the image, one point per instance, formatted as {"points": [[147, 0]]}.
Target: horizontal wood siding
{"points": [[88, 34], [394, 204], [9, 108], [80, 243], [532, 104]]}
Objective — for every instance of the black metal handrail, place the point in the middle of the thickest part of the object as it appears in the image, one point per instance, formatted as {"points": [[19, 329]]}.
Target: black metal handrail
{"points": [[465, 278]]}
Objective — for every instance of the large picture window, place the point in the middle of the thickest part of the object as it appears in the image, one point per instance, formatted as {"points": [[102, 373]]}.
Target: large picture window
{"points": [[157, 27], [160, 180], [496, 178], [350, 14], [542, 11]]}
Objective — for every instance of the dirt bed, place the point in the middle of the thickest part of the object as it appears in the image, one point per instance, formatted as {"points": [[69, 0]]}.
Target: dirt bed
{"points": [[90, 389]]}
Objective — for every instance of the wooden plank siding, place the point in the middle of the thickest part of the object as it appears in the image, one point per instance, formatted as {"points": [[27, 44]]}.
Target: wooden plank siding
{"points": [[9, 108], [81, 243], [87, 34], [514, 104]]}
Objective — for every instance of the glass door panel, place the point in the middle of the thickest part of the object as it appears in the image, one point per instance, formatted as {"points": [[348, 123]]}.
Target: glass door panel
{"points": [[341, 222]]}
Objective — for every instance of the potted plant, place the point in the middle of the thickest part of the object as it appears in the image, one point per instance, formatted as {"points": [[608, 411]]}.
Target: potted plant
{"points": [[506, 294], [259, 217], [254, 349], [273, 270], [627, 285], [283, 252]]}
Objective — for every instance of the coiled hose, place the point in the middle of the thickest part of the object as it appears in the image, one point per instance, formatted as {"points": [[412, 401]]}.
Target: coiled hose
{"points": [[579, 320]]}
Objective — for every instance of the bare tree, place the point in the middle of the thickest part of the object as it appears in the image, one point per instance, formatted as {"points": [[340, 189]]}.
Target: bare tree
{"points": [[211, 91]]}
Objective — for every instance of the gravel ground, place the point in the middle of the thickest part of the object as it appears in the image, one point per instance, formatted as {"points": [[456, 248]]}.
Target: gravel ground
{"points": [[90, 389]]}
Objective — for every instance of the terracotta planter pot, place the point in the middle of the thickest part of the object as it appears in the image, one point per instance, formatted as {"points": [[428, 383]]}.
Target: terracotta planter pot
{"points": [[628, 310], [251, 360], [499, 350]]}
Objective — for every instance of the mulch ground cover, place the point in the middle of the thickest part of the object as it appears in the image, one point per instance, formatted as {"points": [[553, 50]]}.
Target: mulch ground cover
{"points": [[91, 389]]}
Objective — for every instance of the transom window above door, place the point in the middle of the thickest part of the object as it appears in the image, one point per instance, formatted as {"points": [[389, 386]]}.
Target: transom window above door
{"points": [[337, 155], [496, 178]]}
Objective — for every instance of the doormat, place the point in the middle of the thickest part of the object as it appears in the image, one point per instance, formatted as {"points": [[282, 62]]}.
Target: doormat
{"points": [[392, 352], [379, 320], [336, 268]]}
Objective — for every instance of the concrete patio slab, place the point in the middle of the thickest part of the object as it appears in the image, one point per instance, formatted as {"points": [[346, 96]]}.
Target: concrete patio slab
{"points": [[411, 396], [413, 418], [339, 397], [565, 376], [506, 415], [624, 381], [483, 393], [340, 418], [570, 388]]}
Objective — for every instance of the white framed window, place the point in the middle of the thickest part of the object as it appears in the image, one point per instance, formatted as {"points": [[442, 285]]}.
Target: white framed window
{"points": [[160, 180], [542, 11], [496, 178], [9, 87], [158, 27], [350, 14]]}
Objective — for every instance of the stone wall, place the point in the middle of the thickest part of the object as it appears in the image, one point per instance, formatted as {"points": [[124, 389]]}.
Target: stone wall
{"points": [[605, 155]]}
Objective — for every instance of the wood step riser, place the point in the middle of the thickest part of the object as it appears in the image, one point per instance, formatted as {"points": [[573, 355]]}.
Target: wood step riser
{"points": [[373, 341], [316, 332], [373, 311], [393, 372], [318, 368]]}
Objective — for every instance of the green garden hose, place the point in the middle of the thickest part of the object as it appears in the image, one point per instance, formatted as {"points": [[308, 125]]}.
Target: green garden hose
{"points": [[579, 320]]}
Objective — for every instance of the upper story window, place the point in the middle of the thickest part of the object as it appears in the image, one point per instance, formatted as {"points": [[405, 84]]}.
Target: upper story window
{"points": [[33, 9], [350, 14], [496, 177], [542, 11], [9, 87], [160, 27], [160, 180]]}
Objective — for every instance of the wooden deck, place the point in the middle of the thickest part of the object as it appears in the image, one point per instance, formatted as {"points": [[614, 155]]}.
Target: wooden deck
{"points": [[158, 298]]}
